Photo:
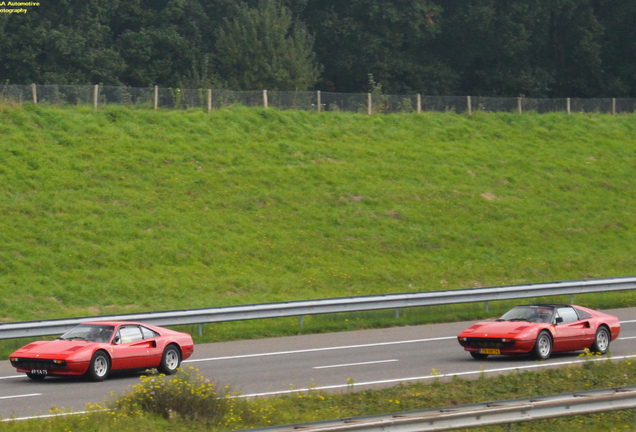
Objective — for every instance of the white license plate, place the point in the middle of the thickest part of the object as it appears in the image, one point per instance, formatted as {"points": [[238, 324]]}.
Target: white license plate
{"points": [[39, 372]]}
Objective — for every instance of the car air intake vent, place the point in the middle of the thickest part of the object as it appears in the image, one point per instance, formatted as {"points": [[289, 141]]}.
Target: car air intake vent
{"points": [[35, 363], [520, 328], [488, 343], [74, 349]]}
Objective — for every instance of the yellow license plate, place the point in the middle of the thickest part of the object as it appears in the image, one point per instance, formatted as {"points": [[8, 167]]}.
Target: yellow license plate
{"points": [[489, 351]]}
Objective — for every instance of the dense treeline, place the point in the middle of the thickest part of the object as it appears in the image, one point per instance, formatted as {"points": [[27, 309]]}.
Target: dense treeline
{"points": [[541, 48]]}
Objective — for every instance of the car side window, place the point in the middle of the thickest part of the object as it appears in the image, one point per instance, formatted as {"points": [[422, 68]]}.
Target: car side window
{"points": [[582, 314], [568, 314], [148, 333], [129, 334]]}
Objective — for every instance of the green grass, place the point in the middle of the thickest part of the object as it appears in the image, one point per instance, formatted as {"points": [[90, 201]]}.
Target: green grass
{"points": [[122, 210], [191, 403]]}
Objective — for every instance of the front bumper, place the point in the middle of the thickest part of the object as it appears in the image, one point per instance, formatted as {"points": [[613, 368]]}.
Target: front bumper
{"points": [[511, 347], [26, 365]]}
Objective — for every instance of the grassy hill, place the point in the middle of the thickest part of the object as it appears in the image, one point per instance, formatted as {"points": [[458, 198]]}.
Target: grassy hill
{"points": [[124, 210]]}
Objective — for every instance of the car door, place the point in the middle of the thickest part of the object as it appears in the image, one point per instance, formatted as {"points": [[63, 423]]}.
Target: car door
{"points": [[155, 350], [129, 349], [589, 330], [570, 331]]}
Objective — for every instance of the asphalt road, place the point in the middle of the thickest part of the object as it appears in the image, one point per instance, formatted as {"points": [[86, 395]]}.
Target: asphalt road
{"points": [[370, 358]]}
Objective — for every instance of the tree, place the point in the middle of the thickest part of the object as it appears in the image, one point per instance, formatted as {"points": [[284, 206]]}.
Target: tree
{"points": [[391, 39], [265, 48]]}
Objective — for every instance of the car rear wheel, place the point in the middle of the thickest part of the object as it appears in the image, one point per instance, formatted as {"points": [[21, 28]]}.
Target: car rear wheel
{"points": [[170, 360], [36, 377], [478, 356], [99, 367], [601, 341], [543, 346]]}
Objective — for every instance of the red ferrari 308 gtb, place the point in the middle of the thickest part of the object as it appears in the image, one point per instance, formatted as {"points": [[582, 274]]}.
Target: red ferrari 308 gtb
{"points": [[541, 330], [95, 349]]}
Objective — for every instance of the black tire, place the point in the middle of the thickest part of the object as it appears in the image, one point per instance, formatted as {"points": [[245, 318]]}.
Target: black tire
{"points": [[543, 347], [99, 367], [36, 377], [170, 361], [478, 356], [601, 340]]}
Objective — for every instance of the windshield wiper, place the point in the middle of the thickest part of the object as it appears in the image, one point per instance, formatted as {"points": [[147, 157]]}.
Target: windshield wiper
{"points": [[518, 319], [75, 337]]}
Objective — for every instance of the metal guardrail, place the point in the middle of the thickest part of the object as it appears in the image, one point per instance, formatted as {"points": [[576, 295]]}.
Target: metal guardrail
{"points": [[477, 415], [324, 306]]}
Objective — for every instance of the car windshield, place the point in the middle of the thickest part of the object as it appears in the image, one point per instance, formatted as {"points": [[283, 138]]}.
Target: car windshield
{"points": [[529, 313], [89, 332]]}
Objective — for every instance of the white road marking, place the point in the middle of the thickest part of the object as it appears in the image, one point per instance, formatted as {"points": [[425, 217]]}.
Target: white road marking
{"points": [[52, 415], [319, 349], [627, 322], [427, 377], [629, 337], [355, 364], [12, 376], [21, 396]]}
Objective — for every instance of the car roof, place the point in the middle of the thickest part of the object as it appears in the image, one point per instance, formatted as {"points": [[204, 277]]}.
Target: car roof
{"points": [[546, 305]]}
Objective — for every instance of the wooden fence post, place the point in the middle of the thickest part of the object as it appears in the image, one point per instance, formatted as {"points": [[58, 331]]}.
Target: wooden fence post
{"points": [[318, 101], [419, 103], [264, 98], [156, 97], [369, 104], [209, 100], [519, 108], [95, 95], [568, 105], [613, 105], [470, 111], [35, 94]]}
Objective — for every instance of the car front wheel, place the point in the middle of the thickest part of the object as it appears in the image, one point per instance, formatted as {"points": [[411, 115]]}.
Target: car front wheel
{"points": [[36, 377], [478, 356], [601, 341], [99, 367], [170, 360], [543, 346]]}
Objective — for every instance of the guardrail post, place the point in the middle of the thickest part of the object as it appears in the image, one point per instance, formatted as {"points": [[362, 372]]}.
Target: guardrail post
{"points": [[300, 321], [209, 100], [264, 98], [95, 96], [519, 108], [369, 104], [487, 307], [419, 103], [571, 298], [568, 105], [200, 330], [397, 313], [156, 97], [613, 105], [469, 106], [35, 94], [318, 101]]}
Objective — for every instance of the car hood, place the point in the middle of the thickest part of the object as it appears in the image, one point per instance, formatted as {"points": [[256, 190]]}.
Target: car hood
{"points": [[45, 349], [501, 328]]}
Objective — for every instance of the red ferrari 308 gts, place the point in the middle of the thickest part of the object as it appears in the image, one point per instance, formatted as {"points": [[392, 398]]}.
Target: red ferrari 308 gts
{"points": [[95, 349], [541, 330]]}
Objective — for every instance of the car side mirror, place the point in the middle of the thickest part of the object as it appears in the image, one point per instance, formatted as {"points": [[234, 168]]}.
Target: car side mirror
{"points": [[116, 340], [559, 320]]}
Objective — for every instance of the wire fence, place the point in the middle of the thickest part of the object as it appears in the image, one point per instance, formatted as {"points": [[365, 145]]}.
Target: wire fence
{"points": [[365, 103]]}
